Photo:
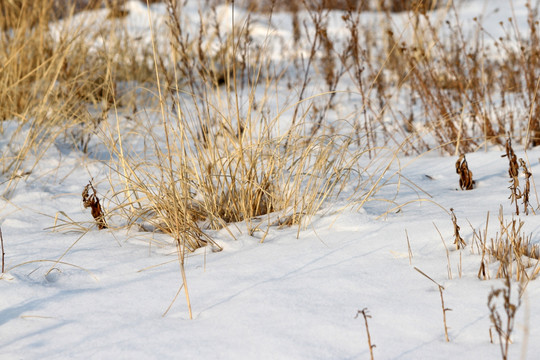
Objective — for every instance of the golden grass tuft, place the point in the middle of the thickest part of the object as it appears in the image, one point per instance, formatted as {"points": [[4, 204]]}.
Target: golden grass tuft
{"points": [[511, 252]]}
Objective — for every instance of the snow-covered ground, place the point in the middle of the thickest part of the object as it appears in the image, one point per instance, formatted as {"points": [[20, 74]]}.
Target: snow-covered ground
{"points": [[105, 294]]}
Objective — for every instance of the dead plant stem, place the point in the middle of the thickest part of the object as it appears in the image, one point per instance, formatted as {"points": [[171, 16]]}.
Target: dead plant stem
{"points": [[365, 314], [3, 253], [444, 309]]}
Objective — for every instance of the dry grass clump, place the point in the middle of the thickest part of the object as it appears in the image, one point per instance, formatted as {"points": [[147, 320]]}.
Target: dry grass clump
{"points": [[21, 13], [55, 82], [421, 6], [463, 94], [222, 176], [295, 5], [219, 156], [460, 95], [343, 5], [510, 252]]}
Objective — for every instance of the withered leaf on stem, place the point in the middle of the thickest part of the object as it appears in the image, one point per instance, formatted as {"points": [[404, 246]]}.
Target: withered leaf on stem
{"points": [[466, 181], [527, 189], [458, 241], [513, 172], [90, 200]]}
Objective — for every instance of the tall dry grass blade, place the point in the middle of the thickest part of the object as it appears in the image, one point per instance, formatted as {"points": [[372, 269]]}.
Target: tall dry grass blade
{"points": [[444, 309], [458, 240], [3, 252], [365, 315]]}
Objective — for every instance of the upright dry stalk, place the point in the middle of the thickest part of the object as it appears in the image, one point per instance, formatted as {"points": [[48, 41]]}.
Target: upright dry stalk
{"points": [[527, 189], [513, 172], [365, 314], [483, 271], [449, 266], [409, 247], [444, 309], [176, 220], [3, 253], [504, 329], [459, 242]]}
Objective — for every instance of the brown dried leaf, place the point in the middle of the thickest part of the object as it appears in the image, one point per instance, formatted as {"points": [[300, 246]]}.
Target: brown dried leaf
{"points": [[91, 201], [466, 181]]}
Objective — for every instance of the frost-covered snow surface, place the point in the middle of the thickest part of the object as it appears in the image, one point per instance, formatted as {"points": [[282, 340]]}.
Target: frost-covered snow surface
{"points": [[286, 298]]}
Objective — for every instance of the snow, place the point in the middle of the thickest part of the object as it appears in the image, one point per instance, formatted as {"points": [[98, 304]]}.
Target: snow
{"points": [[288, 297]]}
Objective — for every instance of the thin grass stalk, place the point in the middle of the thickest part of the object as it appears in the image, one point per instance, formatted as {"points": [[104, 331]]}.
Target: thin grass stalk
{"points": [[176, 220], [365, 315], [3, 252]]}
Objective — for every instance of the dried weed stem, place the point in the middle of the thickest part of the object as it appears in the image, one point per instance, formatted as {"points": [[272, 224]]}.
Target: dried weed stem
{"points": [[444, 309], [90, 200], [504, 328], [527, 189], [365, 314], [458, 240], [3, 253], [513, 172]]}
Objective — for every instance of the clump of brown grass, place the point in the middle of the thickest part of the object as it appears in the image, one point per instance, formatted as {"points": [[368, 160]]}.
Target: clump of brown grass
{"points": [[511, 250], [466, 181], [453, 84], [224, 162], [449, 79], [55, 82], [421, 6], [284, 5], [343, 5]]}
